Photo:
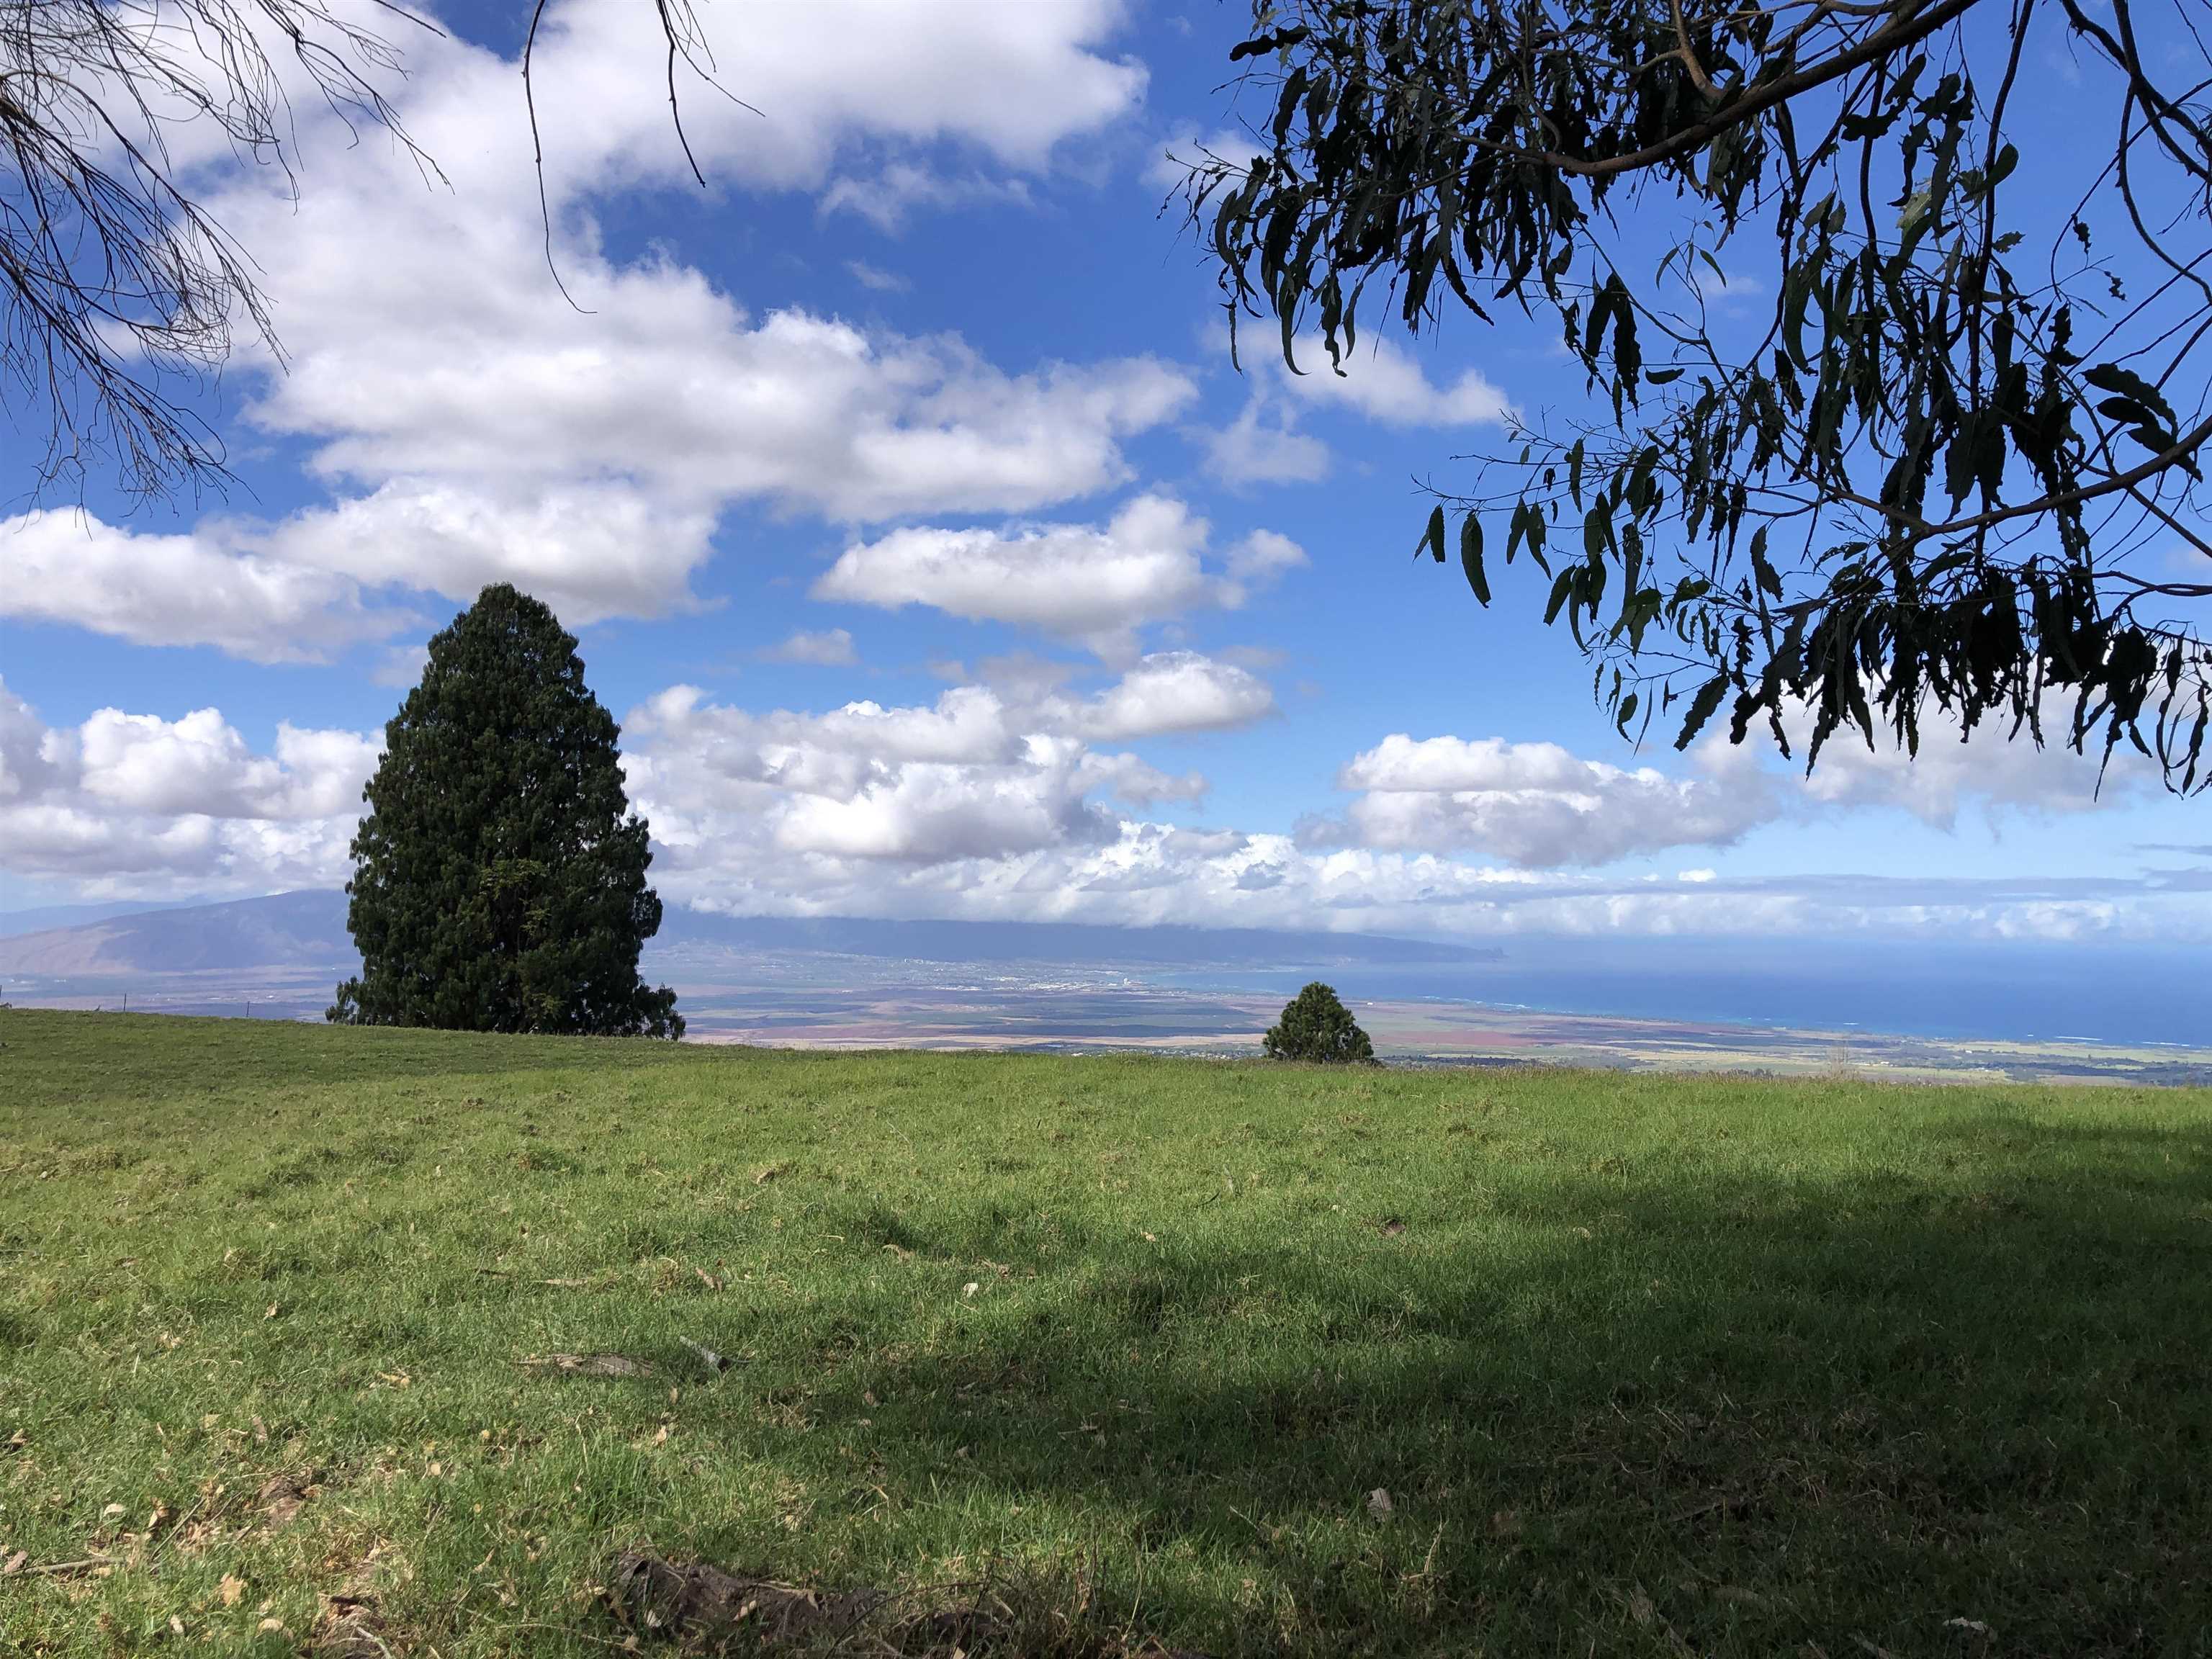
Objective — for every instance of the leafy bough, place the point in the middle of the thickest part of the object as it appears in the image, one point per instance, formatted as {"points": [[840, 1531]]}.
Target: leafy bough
{"points": [[1938, 473]]}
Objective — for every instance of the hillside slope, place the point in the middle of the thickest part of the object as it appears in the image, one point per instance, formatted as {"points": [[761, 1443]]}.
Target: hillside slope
{"points": [[309, 1332]]}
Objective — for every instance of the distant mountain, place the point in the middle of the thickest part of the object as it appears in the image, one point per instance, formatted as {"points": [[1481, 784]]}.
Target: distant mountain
{"points": [[307, 931], [286, 930], [46, 918]]}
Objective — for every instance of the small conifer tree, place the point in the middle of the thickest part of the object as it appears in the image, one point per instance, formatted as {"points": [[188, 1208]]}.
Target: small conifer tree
{"points": [[500, 876], [1317, 1026]]}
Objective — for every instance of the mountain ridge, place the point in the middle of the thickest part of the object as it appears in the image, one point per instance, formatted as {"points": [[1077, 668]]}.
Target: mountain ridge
{"points": [[306, 930]]}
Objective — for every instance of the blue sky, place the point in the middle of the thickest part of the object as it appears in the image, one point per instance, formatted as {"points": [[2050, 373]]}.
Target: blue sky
{"points": [[915, 523]]}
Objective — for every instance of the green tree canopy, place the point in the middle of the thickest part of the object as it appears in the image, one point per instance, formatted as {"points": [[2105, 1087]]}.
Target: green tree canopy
{"points": [[500, 876], [1318, 1028], [1951, 452]]}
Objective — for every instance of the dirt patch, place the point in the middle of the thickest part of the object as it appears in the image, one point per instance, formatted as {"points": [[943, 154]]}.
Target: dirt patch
{"points": [[587, 1364], [706, 1609], [281, 1499], [351, 1627]]}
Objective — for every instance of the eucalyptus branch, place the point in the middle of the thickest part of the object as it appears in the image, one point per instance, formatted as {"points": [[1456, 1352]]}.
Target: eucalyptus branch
{"points": [[1972, 487]]}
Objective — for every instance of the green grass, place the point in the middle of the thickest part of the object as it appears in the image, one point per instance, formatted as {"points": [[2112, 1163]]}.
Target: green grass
{"points": [[1661, 1365]]}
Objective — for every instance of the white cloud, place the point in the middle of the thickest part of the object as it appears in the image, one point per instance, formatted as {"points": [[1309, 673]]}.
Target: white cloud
{"points": [[876, 279], [200, 765], [1016, 848], [991, 804], [1176, 691], [1094, 583], [1145, 787], [428, 341], [884, 199], [1169, 169], [838, 83], [930, 813], [1263, 556], [959, 780], [671, 390], [184, 590], [985, 771], [1071, 579], [1536, 805], [129, 803], [829, 649], [476, 425], [401, 665], [1263, 445], [1988, 774], [28, 769], [1381, 380]]}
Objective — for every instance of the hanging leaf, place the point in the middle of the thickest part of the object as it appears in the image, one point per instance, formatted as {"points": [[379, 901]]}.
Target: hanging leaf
{"points": [[1433, 535], [1701, 709], [1470, 557]]}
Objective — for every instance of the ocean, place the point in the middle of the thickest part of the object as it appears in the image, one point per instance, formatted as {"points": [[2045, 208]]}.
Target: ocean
{"points": [[2041, 991]]}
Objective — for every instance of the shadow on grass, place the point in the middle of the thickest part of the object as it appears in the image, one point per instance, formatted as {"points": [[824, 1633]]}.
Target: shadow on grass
{"points": [[1714, 1413]]}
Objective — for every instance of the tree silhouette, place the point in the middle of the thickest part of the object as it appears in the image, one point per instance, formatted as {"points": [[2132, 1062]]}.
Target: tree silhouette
{"points": [[1317, 1027], [500, 876]]}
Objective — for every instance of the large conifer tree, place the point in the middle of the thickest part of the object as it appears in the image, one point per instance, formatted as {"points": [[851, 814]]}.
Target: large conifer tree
{"points": [[500, 876]]}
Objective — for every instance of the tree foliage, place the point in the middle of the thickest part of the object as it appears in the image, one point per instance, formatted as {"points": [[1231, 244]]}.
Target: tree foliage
{"points": [[500, 876], [1316, 1027], [1940, 454]]}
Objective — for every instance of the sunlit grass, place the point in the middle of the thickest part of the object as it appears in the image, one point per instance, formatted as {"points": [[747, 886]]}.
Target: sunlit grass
{"points": [[1643, 1364]]}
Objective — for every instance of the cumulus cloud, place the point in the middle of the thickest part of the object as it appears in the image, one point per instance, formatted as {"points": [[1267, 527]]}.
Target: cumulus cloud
{"points": [[476, 426], [126, 803], [1075, 579], [843, 83], [1176, 691], [986, 772], [426, 339], [400, 665], [192, 589], [991, 802], [590, 550], [1990, 773], [1262, 557], [1143, 786], [1381, 380], [1536, 805], [672, 389], [1096, 583], [1020, 853], [959, 780]]}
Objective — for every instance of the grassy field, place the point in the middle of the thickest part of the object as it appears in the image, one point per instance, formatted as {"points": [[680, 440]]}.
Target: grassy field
{"points": [[1670, 1365]]}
